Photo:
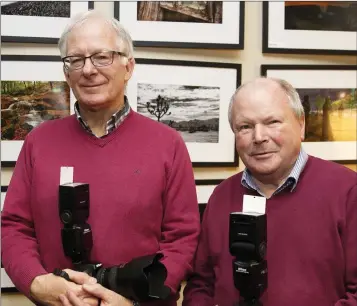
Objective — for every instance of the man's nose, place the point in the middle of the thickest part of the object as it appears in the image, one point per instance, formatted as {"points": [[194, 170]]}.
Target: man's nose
{"points": [[88, 67], [260, 133]]}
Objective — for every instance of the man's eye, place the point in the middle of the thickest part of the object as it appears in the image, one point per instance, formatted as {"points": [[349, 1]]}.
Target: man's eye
{"points": [[273, 121], [244, 127]]}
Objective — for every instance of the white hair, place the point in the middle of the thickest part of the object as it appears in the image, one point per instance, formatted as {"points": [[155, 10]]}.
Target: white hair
{"points": [[292, 94], [124, 41]]}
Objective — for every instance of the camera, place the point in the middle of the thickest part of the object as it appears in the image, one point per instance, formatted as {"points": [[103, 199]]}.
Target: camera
{"points": [[248, 244], [141, 279]]}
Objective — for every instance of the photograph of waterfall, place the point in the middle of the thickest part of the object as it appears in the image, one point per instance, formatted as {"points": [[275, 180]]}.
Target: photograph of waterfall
{"points": [[26, 104]]}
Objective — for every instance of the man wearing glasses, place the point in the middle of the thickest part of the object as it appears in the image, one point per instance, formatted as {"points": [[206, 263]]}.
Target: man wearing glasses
{"points": [[142, 189]]}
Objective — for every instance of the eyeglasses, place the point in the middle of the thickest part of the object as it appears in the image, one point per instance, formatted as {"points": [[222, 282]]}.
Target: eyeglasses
{"points": [[99, 59]]}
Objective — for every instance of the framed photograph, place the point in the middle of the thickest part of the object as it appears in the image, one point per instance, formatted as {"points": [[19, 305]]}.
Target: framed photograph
{"points": [[329, 97], [33, 90], [193, 98], [37, 21], [6, 283], [204, 189], [183, 24], [313, 27]]}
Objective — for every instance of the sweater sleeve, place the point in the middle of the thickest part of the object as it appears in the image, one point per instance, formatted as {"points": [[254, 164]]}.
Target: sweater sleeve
{"points": [[181, 220], [350, 250], [19, 248], [199, 290]]}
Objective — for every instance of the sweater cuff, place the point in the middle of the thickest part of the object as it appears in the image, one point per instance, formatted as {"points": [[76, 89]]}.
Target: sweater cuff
{"points": [[27, 276], [175, 275]]}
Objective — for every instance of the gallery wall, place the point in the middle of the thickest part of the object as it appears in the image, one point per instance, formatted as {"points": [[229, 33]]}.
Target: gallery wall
{"points": [[244, 64]]}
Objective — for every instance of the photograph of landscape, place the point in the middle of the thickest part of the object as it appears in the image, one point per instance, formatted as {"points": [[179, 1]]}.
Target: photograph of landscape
{"points": [[321, 15], [36, 8], [26, 104], [191, 110], [330, 114], [180, 11]]}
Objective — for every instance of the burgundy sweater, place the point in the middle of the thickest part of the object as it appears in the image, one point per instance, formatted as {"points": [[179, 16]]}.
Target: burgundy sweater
{"points": [[142, 198], [311, 242]]}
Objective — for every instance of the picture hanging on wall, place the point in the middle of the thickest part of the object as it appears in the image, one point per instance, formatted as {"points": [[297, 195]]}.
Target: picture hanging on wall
{"points": [[329, 97], [183, 24], [6, 284], [33, 90], [204, 189], [193, 98], [313, 27], [37, 21]]}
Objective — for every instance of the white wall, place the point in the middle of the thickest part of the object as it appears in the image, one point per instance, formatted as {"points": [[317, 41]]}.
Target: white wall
{"points": [[251, 58]]}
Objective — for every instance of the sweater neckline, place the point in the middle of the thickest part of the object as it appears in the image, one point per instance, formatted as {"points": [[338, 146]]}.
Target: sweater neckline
{"points": [[103, 141]]}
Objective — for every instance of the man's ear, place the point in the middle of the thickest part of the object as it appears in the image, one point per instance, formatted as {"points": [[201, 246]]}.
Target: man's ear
{"points": [[302, 128], [129, 69]]}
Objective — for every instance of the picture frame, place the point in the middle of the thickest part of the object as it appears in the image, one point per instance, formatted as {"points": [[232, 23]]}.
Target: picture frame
{"points": [[6, 284], [157, 24], [328, 93], [47, 28], [198, 94], [21, 112], [204, 189], [298, 34]]}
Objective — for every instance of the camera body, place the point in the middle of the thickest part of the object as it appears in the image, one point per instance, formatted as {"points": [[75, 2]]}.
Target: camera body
{"points": [[248, 244], [141, 279]]}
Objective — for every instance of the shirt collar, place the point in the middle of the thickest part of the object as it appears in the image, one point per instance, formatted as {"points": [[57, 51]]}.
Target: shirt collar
{"points": [[115, 120], [291, 181]]}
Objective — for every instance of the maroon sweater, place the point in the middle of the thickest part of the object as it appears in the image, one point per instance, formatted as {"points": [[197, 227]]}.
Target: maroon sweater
{"points": [[142, 198], [312, 242]]}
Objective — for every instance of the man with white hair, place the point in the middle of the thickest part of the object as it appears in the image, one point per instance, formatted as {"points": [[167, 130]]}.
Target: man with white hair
{"points": [[310, 207], [142, 190]]}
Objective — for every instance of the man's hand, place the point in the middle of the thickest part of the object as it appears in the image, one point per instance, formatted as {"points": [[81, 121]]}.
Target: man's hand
{"points": [[107, 297], [47, 288]]}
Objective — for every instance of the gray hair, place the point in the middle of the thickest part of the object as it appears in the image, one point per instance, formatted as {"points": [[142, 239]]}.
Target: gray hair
{"points": [[292, 94], [124, 40]]}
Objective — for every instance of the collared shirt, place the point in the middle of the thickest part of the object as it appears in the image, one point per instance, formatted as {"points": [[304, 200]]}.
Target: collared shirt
{"points": [[291, 181], [115, 120]]}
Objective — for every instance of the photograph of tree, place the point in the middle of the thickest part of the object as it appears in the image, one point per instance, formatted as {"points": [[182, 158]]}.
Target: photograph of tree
{"points": [[330, 114], [191, 110], [26, 104], [321, 16], [36, 8], [180, 11]]}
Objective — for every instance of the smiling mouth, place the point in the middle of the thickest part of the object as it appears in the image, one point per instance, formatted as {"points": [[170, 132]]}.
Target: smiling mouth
{"points": [[262, 154]]}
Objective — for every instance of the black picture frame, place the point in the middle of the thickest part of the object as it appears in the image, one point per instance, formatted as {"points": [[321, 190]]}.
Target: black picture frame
{"points": [[28, 68], [58, 24], [204, 189], [6, 284], [276, 39], [315, 76], [226, 76], [188, 39]]}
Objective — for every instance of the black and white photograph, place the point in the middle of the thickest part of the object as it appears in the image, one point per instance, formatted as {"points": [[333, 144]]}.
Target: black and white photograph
{"points": [[33, 90], [311, 27], [191, 110], [37, 8], [180, 11], [38, 21], [191, 98], [183, 24], [329, 97]]}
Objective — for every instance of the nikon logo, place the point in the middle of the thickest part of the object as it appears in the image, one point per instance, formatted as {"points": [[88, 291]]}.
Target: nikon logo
{"points": [[242, 234], [242, 270]]}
